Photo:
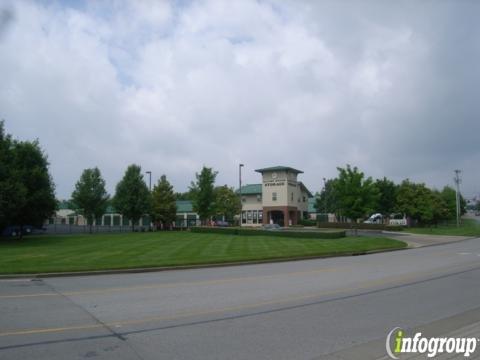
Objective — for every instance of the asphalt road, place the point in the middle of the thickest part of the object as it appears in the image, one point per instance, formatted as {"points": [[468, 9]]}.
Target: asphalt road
{"points": [[288, 310]]}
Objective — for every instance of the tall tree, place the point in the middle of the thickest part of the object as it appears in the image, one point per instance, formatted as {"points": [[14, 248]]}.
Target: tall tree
{"points": [[37, 192], [90, 197], [184, 196], [387, 192], [132, 197], [203, 193], [227, 202], [357, 195], [449, 197], [164, 208], [12, 191], [328, 200]]}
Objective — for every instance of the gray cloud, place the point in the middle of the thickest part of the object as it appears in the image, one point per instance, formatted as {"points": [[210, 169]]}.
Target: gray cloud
{"points": [[388, 87]]}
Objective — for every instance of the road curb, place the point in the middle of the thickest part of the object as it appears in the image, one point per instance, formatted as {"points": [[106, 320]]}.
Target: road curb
{"points": [[188, 267]]}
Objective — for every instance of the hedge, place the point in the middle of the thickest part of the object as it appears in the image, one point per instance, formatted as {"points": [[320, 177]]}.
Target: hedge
{"points": [[361, 226], [307, 222], [279, 233]]}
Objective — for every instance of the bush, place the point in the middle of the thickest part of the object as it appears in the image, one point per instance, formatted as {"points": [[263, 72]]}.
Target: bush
{"points": [[214, 230], [361, 226], [307, 222], [279, 233]]}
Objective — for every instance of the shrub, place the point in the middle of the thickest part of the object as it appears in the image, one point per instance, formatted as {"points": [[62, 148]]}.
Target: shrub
{"points": [[307, 222], [279, 233], [361, 226]]}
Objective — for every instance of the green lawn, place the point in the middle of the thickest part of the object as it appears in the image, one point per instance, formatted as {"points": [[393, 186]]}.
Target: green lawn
{"points": [[468, 227], [139, 250]]}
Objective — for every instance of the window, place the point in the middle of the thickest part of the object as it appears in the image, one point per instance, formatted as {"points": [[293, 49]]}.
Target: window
{"points": [[249, 214], [304, 199], [244, 217], [259, 197], [254, 216], [291, 197], [260, 216], [274, 196]]}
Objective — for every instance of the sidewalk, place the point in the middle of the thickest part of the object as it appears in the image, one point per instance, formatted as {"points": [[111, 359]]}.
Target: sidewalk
{"points": [[418, 240]]}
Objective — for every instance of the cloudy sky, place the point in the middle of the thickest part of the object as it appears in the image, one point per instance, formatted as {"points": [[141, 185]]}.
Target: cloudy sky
{"points": [[391, 87]]}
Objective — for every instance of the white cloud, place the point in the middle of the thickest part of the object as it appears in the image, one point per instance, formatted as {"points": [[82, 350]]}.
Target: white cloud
{"points": [[175, 86]]}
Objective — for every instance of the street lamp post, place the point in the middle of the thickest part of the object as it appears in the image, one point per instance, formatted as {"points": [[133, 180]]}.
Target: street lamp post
{"points": [[240, 192], [457, 194], [149, 180], [325, 194], [150, 189]]}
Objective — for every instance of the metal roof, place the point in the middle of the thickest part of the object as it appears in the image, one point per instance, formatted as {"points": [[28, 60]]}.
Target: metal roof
{"points": [[302, 186], [184, 206], [251, 189], [279, 168]]}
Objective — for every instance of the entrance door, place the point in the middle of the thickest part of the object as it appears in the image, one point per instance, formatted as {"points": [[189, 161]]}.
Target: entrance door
{"points": [[277, 217]]}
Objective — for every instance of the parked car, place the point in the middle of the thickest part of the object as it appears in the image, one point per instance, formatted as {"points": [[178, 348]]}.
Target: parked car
{"points": [[221, 223], [14, 230]]}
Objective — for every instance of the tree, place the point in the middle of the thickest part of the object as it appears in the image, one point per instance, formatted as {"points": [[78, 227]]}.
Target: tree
{"points": [[132, 197], [227, 202], [420, 203], [448, 195], [357, 196], [90, 197], [184, 196], [203, 193], [327, 200], [27, 192], [387, 192], [12, 191], [164, 208]]}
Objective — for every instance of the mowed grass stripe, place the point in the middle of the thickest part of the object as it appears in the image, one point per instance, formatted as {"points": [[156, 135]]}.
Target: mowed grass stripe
{"points": [[139, 250]]}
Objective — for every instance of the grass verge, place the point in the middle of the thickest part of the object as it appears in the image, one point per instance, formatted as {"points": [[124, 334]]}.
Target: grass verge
{"points": [[468, 227], [39, 254]]}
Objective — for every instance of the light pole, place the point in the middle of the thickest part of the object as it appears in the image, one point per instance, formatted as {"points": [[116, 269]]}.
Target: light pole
{"points": [[240, 192], [325, 194], [149, 180], [457, 194]]}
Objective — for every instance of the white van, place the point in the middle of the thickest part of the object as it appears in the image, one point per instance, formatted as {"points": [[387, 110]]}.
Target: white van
{"points": [[374, 219]]}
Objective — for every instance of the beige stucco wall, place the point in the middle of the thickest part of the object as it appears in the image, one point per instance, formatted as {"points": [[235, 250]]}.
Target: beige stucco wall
{"points": [[271, 185], [284, 184], [251, 202]]}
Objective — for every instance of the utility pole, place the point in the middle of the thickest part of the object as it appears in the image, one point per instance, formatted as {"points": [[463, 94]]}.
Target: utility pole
{"points": [[240, 192], [457, 193]]}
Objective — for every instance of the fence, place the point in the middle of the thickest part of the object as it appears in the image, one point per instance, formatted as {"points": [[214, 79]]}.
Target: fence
{"points": [[85, 229]]}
